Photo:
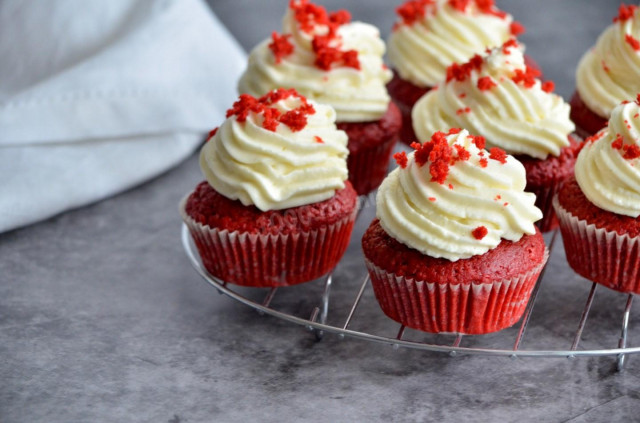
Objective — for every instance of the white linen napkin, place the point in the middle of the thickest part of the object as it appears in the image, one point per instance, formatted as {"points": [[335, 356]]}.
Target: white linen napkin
{"points": [[98, 96]]}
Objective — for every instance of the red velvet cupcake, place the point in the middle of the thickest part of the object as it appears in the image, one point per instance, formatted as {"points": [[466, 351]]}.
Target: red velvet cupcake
{"points": [[275, 209], [425, 40], [599, 210], [499, 97], [334, 61], [608, 73], [454, 248]]}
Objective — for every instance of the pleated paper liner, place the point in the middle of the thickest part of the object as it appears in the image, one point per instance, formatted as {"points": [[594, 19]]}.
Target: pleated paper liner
{"points": [[258, 260], [602, 256], [469, 308]]}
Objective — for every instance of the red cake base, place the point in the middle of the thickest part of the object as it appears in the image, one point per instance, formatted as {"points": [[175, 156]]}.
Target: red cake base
{"points": [[601, 246], [587, 122], [544, 177], [481, 294], [245, 246], [370, 147], [405, 94]]}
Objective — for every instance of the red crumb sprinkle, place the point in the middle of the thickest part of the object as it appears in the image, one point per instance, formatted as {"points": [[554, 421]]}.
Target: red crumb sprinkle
{"points": [[295, 119], [605, 67], [631, 152], [318, 139], [464, 110], [636, 115], [212, 133], [479, 232], [432, 198], [401, 159], [486, 83], [497, 197], [463, 71], [516, 28], [634, 43], [625, 12], [548, 86], [453, 131], [439, 153], [526, 77], [498, 154], [412, 11], [638, 99], [463, 154], [508, 45], [460, 5], [487, 6], [462, 95], [505, 204], [483, 162], [479, 141], [280, 46], [450, 186], [617, 143]]}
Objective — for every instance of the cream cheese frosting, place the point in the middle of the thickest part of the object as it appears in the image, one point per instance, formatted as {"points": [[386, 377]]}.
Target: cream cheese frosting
{"points": [[499, 97], [325, 58], [431, 35], [458, 210], [610, 72], [608, 166], [276, 152]]}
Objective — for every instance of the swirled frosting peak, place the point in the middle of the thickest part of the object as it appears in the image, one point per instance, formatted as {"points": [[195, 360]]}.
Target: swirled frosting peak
{"points": [[276, 152], [499, 97], [453, 199], [610, 72], [430, 35], [608, 167], [325, 57]]}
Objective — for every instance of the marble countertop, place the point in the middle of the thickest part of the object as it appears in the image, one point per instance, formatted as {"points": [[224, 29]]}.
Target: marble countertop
{"points": [[102, 317]]}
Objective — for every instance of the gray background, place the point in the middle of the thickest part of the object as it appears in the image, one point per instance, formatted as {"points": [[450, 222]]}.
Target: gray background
{"points": [[102, 317]]}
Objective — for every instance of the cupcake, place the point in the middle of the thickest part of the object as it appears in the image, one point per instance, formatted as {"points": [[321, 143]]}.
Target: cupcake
{"points": [[599, 209], [499, 97], [608, 73], [429, 36], [275, 208], [334, 61], [454, 247]]}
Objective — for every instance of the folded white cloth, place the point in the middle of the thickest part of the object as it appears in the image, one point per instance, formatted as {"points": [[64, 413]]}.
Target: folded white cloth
{"points": [[96, 97]]}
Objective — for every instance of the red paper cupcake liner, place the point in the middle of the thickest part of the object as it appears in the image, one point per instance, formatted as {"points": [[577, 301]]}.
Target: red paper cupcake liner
{"points": [[471, 308], [259, 260], [368, 166], [602, 256]]}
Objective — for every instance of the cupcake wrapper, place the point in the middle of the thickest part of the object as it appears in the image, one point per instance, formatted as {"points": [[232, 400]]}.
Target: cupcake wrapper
{"points": [[278, 260], [368, 166], [602, 256], [472, 308], [544, 201]]}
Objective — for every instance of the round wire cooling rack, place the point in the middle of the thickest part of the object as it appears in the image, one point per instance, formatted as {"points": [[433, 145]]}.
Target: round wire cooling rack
{"points": [[317, 320]]}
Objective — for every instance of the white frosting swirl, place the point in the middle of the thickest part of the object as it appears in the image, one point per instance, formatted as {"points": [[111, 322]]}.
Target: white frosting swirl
{"points": [[439, 219], [357, 95], [278, 169], [606, 178], [421, 52], [510, 115], [610, 72]]}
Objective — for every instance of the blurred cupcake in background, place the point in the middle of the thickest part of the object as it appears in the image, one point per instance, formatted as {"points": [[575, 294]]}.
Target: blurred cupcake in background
{"points": [[599, 209], [275, 208], [430, 35], [500, 98], [334, 61], [608, 73], [454, 247]]}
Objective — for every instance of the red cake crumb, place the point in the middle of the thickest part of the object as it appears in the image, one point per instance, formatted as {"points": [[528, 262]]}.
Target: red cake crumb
{"points": [[463, 154], [401, 159], [412, 11], [478, 140], [625, 12], [432, 199], [212, 133], [631, 152], [280, 46], [479, 232], [318, 139], [635, 44], [617, 143], [486, 83], [516, 28], [508, 45], [461, 72], [548, 86], [526, 77], [295, 119], [498, 154], [483, 162]]}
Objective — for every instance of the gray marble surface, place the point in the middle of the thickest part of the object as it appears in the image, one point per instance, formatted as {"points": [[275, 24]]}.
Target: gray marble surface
{"points": [[102, 317]]}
